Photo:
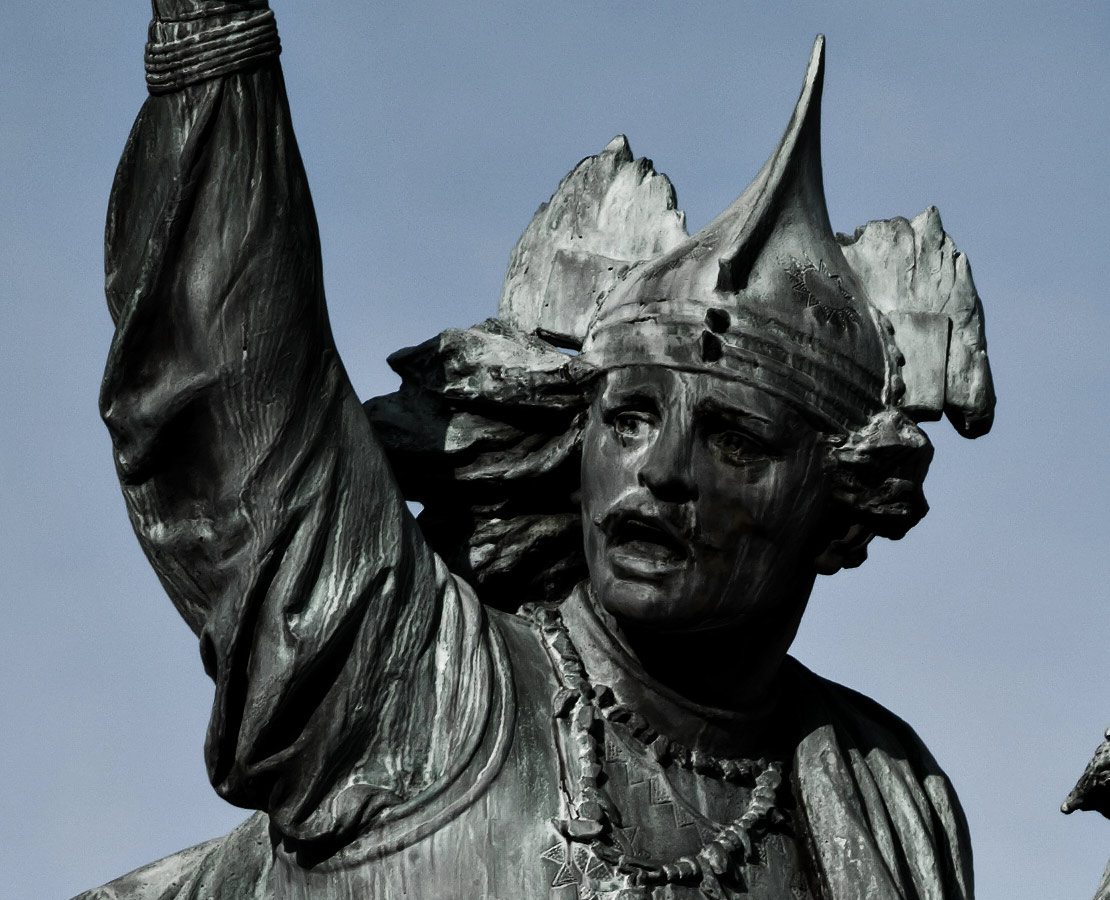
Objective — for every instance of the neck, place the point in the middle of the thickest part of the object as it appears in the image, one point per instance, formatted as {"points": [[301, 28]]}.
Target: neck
{"points": [[685, 685]]}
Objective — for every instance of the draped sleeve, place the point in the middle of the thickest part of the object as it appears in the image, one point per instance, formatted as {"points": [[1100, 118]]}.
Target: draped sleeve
{"points": [[883, 819], [351, 670]]}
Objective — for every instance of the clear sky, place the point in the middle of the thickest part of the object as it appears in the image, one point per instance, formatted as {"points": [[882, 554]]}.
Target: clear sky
{"points": [[431, 131]]}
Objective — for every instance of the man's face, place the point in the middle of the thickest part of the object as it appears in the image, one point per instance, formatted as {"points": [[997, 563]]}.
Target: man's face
{"points": [[703, 502]]}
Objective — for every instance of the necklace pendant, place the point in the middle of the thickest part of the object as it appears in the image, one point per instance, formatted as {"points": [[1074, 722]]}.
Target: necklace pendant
{"points": [[577, 865], [711, 887]]}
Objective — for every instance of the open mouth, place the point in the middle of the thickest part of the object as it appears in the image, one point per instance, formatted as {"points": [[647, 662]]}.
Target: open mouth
{"points": [[644, 546]]}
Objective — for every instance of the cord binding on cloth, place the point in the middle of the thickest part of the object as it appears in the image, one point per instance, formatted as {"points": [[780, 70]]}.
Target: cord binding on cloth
{"points": [[180, 53]]}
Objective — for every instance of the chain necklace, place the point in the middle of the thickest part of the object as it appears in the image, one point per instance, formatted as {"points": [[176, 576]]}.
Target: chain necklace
{"points": [[579, 708]]}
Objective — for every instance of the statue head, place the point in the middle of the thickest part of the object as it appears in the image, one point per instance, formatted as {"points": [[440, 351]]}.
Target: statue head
{"points": [[742, 412], [730, 367], [734, 371]]}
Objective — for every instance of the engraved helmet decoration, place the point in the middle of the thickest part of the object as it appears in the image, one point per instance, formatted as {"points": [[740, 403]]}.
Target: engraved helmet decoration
{"points": [[767, 294]]}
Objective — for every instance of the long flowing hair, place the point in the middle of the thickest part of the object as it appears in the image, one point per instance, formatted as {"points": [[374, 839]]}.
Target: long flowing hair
{"points": [[485, 433]]}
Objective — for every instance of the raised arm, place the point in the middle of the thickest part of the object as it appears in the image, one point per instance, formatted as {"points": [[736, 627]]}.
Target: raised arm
{"points": [[251, 473]]}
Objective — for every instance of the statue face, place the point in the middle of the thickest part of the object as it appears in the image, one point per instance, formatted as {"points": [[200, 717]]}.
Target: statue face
{"points": [[704, 503]]}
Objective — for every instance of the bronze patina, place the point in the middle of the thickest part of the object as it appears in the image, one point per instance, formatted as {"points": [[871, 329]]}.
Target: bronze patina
{"points": [[568, 678]]}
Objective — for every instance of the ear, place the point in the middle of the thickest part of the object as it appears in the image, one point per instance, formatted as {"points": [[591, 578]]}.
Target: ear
{"points": [[844, 552]]}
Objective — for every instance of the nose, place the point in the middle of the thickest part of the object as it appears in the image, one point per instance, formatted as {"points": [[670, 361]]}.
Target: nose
{"points": [[667, 467]]}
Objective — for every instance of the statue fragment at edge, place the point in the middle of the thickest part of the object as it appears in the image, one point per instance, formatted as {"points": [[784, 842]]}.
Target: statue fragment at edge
{"points": [[570, 679], [1092, 792]]}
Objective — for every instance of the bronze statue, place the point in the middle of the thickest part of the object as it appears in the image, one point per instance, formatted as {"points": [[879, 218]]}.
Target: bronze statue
{"points": [[1092, 792], [568, 678]]}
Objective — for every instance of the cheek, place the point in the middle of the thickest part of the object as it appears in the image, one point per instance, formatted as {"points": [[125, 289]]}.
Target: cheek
{"points": [[592, 461], [794, 510], [775, 503], [602, 469], [740, 499]]}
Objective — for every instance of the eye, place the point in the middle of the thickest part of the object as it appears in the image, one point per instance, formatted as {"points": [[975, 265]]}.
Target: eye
{"points": [[630, 424], [738, 448]]}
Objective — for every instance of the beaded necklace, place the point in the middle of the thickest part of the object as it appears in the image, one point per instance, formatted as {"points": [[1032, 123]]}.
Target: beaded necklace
{"points": [[578, 710]]}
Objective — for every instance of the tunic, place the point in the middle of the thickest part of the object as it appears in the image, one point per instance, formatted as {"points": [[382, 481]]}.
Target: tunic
{"points": [[397, 738]]}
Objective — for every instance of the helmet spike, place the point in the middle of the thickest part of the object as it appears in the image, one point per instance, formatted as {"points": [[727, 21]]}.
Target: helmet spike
{"points": [[793, 168]]}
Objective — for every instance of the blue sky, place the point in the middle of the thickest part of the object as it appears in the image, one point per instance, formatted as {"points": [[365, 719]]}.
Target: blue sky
{"points": [[431, 131]]}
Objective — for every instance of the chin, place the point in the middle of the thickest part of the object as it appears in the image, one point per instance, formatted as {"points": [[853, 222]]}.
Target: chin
{"points": [[652, 606]]}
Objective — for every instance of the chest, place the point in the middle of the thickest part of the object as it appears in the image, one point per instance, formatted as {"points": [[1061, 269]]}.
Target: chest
{"points": [[511, 843]]}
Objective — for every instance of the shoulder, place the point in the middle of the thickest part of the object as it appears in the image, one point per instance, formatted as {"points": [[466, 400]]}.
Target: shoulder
{"points": [[183, 874], [871, 791], [858, 719]]}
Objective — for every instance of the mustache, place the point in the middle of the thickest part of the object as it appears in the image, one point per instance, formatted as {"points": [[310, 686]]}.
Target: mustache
{"points": [[676, 523]]}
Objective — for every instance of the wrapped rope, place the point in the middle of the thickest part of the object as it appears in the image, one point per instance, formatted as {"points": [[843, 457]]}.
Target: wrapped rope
{"points": [[228, 39]]}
